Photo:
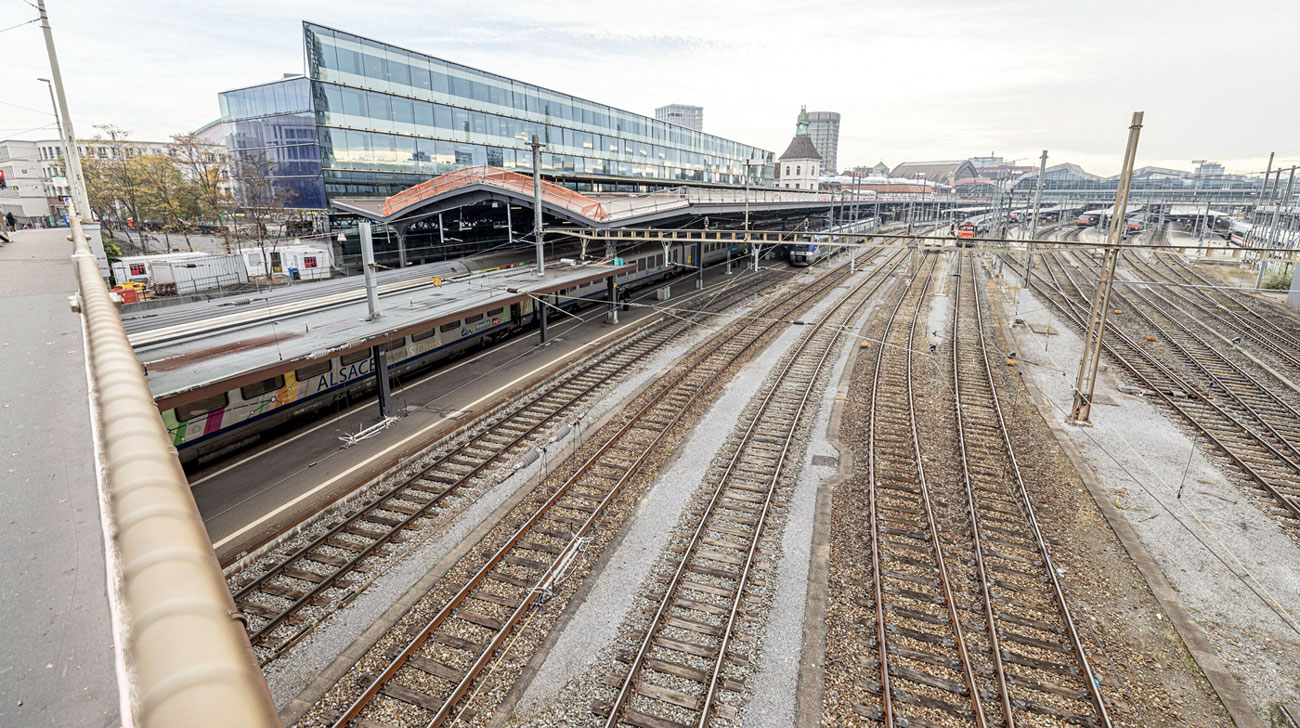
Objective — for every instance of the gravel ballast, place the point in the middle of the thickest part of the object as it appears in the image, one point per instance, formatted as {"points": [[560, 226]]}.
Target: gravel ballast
{"points": [[1235, 569], [566, 679]]}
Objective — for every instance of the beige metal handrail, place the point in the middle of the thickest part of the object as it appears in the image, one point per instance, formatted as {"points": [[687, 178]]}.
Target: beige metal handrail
{"points": [[187, 657]]}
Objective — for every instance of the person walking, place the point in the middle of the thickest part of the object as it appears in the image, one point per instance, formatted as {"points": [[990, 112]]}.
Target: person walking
{"points": [[10, 221]]}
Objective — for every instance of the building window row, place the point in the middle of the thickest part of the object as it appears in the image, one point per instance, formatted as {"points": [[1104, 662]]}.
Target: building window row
{"points": [[351, 60]]}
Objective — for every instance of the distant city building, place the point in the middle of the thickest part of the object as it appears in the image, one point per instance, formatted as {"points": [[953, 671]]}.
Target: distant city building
{"points": [[22, 193], [370, 119], [691, 117], [998, 169], [945, 172], [1209, 169], [880, 170], [824, 130], [36, 188], [800, 163]]}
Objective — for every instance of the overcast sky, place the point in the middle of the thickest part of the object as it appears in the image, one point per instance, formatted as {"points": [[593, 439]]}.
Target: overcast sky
{"points": [[913, 79]]}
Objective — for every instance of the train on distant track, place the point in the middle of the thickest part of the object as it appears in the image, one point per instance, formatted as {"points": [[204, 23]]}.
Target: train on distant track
{"points": [[218, 425], [967, 230], [803, 255]]}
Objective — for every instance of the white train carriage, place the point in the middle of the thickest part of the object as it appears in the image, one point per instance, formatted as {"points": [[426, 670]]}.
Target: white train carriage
{"points": [[806, 254], [210, 428]]}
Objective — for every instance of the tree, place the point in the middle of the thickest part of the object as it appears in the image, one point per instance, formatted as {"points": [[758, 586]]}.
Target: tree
{"points": [[259, 200], [167, 196], [206, 174], [113, 181]]}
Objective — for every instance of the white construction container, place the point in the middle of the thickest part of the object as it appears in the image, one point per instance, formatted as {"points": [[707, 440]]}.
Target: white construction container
{"points": [[139, 268], [295, 261], [181, 277]]}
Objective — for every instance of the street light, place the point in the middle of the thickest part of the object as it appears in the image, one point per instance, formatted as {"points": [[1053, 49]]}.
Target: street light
{"points": [[58, 121]]}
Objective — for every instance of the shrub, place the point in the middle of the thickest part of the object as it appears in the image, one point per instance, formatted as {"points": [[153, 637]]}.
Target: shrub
{"points": [[1277, 281]]}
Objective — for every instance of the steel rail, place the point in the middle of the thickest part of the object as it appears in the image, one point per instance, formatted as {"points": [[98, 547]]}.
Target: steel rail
{"points": [[995, 645], [1021, 492], [1173, 296], [876, 279], [1256, 307], [187, 660], [720, 343], [1290, 353], [644, 338], [1236, 397], [1069, 310], [886, 691]]}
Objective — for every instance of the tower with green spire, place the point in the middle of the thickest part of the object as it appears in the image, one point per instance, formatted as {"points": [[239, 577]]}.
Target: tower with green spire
{"points": [[801, 129]]}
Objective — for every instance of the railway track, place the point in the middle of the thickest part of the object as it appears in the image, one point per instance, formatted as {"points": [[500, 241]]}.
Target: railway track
{"points": [[968, 623], [1040, 667], [1215, 374], [677, 672], [1253, 454], [284, 602], [925, 672], [1199, 305], [542, 537]]}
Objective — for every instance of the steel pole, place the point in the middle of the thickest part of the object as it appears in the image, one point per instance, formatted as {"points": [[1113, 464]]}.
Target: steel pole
{"points": [[1252, 236], [1086, 383], [1272, 227], [537, 205], [368, 269]]}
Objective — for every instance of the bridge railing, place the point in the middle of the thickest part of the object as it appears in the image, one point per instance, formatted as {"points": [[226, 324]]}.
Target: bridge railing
{"points": [[182, 649]]}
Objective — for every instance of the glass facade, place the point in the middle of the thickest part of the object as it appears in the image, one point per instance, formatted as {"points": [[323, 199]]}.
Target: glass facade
{"points": [[275, 120], [371, 119]]}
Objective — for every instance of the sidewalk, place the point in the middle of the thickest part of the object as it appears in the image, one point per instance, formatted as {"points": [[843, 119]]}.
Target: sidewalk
{"points": [[56, 653]]}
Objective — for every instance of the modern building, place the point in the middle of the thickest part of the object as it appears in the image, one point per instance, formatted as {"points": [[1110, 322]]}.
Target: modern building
{"points": [[370, 119], [800, 163], [691, 117], [824, 130]]}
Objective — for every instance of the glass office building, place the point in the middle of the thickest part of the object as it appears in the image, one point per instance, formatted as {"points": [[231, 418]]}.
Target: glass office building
{"points": [[384, 118]]}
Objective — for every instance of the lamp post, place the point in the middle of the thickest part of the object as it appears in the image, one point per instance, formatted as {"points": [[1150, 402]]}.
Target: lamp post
{"points": [[72, 163], [63, 143]]}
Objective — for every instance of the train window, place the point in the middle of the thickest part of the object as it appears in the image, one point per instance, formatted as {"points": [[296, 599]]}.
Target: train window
{"points": [[659, 260], [354, 357], [495, 312], [315, 370], [474, 319], [422, 335], [257, 389], [395, 344], [201, 407], [449, 326]]}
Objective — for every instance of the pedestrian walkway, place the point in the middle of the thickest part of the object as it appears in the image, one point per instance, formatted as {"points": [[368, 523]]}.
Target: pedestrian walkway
{"points": [[56, 648]]}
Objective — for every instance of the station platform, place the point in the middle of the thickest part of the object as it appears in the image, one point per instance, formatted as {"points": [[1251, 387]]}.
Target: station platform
{"points": [[196, 359], [56, 653], [256, 495]]}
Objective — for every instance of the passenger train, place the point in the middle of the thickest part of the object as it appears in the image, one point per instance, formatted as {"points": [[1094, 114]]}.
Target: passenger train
{"points": [[806, 254], [213, 427]]}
